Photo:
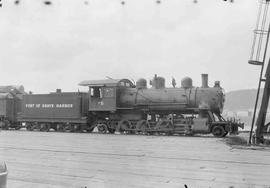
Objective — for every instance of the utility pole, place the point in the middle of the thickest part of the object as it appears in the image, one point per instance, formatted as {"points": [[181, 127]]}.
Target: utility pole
{"points": [[260, 43]]}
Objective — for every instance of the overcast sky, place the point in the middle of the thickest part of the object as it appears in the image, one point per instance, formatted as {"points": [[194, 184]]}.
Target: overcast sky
{"points": [[45, 47]]}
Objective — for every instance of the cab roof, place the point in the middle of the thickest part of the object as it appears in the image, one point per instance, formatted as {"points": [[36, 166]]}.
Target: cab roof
{"points": [[16, 89], [107, 82], [5, 96]]}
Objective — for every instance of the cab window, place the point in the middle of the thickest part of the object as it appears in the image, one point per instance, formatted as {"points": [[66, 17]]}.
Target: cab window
{"points": [[96, 92], [122, 83], [108, 92]]}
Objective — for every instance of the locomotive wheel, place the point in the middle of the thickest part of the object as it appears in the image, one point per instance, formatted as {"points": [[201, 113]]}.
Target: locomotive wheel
{"points": [[111, 126], [123, 126], [142, 126], [102, 128], [163, 124], [218, 131], [225, 134], [111, 130]]}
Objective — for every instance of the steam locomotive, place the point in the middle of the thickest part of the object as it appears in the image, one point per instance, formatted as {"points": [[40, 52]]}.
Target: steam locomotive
{"points": [[118, 105], [10, 105]]}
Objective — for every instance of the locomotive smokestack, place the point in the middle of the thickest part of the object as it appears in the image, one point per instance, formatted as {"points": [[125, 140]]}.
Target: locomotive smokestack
{"points": [[204, 80]]}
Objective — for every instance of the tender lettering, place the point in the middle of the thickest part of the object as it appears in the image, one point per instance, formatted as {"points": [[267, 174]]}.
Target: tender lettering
{"points": [[64, 105], [29, 105], [47, 105]]}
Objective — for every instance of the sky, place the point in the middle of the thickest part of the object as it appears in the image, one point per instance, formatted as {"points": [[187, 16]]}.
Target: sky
{"points": [[45, 47]]}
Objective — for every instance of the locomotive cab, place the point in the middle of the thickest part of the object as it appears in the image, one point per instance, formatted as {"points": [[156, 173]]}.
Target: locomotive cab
{"points": [[102, 98], [104, 94]]}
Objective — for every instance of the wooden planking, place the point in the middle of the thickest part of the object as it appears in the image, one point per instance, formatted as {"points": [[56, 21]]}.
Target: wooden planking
{"points": [[77, 160]]}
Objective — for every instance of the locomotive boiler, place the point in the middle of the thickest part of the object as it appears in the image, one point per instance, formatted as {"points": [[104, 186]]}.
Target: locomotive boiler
{"points": [[119, 105], [185, 99]]}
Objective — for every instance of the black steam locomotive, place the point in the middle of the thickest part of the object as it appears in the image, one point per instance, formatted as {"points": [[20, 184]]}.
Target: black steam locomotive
{"points": [[113, 105]]}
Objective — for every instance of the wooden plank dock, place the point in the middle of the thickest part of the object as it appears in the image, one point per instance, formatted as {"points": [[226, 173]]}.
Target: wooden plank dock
{"points": [[58, 160]]}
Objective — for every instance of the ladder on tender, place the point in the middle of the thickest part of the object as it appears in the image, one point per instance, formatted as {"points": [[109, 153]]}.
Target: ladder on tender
{"points": [[258, 57]]}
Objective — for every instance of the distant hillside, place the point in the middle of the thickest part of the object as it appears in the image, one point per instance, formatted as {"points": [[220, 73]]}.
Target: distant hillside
{"points": [[241, 99]]}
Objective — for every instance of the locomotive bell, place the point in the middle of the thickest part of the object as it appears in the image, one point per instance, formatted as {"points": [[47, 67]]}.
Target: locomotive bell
{"points": [[186, 82], [217, 84], [141, 83]]}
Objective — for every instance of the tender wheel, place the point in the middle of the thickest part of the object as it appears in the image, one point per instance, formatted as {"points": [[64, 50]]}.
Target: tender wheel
{"points": [[76, 128], [29, 127], [17, 128], [5, 125], [218, 131], [72, 128], [2, 124], [102, 128], [67, 127], [43, 128], [47, 127], [60, 128]]}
